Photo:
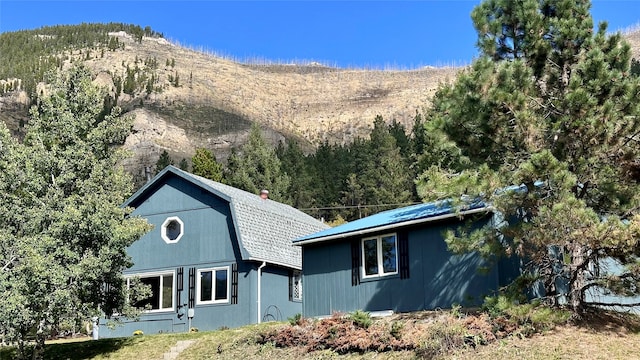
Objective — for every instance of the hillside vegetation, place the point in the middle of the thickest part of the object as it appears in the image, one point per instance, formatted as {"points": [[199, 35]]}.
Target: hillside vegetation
{"points": [[185, 98], [421, 335]]}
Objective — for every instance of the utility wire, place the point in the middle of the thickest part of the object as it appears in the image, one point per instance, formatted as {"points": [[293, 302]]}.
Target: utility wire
{"points": [[357, 206]]}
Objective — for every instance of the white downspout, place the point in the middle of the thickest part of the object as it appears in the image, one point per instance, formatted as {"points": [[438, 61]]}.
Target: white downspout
{"points": [[264, 263]]}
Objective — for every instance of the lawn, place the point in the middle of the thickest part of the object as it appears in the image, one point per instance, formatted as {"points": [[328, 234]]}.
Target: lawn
{"points": [[436, 335]]}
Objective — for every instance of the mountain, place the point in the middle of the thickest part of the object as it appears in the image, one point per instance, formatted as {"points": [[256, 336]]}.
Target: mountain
{"points": [[185, 98]]}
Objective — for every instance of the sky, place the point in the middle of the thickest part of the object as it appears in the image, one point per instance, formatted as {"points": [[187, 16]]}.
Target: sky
{"points": [[346, 34]]}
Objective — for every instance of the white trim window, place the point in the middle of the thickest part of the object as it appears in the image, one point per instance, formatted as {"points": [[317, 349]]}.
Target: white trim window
{"points": [[172, 230], [213, 285], [379, 256], [162, 290]]}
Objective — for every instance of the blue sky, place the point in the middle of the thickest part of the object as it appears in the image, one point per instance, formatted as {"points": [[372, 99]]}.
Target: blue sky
{"points": [[362, 34]]}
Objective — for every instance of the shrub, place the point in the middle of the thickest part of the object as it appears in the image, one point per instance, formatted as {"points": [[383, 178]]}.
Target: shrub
{"points": [[361, 318], [441, 337], [527, 318], [295, 319], [396, 329]]}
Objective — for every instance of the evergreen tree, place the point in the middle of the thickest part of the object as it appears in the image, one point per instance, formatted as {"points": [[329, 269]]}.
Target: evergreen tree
{"points": [[329, 169], [399, 133], [353, 198], [129, 86], [635, 67], [163, 161], [385, 175], [257, 167], [205, 165], [65, 233], [293, 163], [184, 164], [549, 121]]}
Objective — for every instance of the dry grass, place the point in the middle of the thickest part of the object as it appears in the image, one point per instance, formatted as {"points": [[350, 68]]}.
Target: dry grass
{"points": [[567, 342], [311, 102], [308, 101], [437, 335]]}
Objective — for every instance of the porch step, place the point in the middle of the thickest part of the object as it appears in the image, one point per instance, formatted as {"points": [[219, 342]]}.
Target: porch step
{"points": [[181, 345]]}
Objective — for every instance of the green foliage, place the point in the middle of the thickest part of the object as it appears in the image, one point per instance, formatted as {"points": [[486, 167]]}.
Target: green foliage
{"points": [[353, 180], [361, 318], [163, 161], [296, 165], [183, 164], [295, 319], [205, 165], [63, 252], [257, 167], [49, 46], [528, 317], [543, 126], [634, 69], [396, 329]]}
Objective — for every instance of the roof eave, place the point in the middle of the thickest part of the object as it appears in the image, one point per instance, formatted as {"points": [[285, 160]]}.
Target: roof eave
{"points": [[391, 226], [291, 266]]}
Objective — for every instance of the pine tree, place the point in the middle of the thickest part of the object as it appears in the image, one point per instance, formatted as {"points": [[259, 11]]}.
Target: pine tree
{"points": [[257, 167], [163, 161], [183, 165], [205, 165], [548, 118], [385, 176], [65, 232], [294, 164]]}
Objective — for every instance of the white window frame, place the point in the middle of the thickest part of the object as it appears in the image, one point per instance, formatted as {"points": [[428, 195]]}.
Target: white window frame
{"points": [[380, 260], [213, 287], [161, 275], [163, 230], [296, 274]]}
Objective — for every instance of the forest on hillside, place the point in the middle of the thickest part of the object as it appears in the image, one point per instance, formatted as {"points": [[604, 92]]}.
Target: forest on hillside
{"points": [[26, 56], [336, 182]]}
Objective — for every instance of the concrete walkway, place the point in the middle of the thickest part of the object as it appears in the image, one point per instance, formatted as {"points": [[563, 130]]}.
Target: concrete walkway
{"points": [[176, 350]]}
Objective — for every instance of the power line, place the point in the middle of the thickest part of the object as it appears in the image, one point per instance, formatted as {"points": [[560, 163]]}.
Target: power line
{"points": [[357, 206]]}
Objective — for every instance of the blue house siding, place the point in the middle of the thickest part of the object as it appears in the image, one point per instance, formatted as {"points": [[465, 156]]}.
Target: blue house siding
{"points": [[208, 229], [437, 278], [275, 304], [210, 265]]}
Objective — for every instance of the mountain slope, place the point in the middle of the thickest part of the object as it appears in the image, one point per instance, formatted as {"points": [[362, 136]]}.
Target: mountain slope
{"points": [[217, 99], [199, 99]]}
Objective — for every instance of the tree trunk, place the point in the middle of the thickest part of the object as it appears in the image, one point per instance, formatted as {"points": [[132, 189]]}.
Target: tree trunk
{"points": [[38, 349], [577, 278]]}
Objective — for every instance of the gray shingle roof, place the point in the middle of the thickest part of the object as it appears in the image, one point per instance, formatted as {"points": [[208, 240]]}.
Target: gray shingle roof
{"points": [[265, 228]]}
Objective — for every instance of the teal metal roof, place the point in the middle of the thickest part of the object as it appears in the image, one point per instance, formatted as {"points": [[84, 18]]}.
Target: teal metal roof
{"points": [[394, 218], [265, 228]]}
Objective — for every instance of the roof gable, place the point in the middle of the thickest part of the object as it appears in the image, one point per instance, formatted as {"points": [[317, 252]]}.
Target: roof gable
{"points": [[265, 228]]}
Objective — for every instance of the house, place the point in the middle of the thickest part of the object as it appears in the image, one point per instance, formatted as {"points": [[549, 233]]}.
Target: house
{"points": [[216, 257], [398, 260]]}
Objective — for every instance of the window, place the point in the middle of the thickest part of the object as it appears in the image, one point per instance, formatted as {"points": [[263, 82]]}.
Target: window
{"points": [[295, 286], [213, 285], [379, 256], [172, 230], [162, 294]]}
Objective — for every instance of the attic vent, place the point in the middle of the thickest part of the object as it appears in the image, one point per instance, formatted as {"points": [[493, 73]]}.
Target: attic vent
{"points": [[172, 230]]}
